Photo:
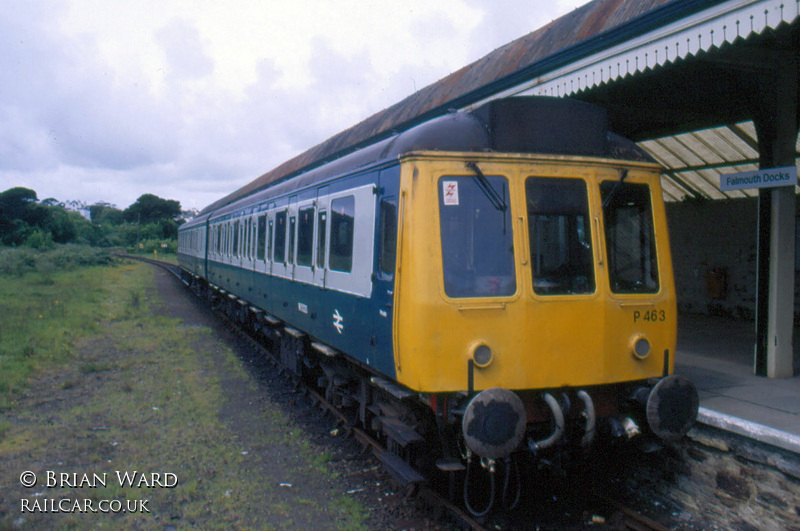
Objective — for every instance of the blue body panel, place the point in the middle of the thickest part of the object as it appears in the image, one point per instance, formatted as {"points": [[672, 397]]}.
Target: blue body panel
{"points": [[358, 326]]}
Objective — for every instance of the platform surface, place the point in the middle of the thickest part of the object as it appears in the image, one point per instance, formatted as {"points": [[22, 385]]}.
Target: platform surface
{"points": [[716, 353]]}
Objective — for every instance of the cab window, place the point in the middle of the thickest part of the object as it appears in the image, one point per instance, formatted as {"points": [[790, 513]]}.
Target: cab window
{"points": [[560, 236], [388, 236], [630, 240], [477, 236]]}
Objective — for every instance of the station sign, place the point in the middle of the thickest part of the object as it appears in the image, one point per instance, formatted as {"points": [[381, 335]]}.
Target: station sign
{"points": [[768, 178]]}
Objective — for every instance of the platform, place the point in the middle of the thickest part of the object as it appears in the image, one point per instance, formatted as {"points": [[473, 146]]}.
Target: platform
{"points": [[716, 353]]}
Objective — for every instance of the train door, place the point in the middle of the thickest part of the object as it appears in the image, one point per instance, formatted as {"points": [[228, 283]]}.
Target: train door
{"points": [[304, 263], [322, 236], [385, 265], [247, 241], [292, 238], [260, 244], [270, 236], [280, 247]]}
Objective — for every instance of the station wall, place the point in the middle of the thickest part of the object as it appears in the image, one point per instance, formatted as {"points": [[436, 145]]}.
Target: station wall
{"points": [[714, 256]]}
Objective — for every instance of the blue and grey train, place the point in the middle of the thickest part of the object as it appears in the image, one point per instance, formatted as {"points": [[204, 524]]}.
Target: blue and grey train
{"points": [[490, 284]]}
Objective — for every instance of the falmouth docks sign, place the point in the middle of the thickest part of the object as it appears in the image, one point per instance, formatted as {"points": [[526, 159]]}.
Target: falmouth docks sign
{"points": [[786, 176]]}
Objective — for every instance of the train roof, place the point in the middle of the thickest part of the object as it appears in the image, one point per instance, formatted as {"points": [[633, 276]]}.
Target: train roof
{"points": [[511, 125]]}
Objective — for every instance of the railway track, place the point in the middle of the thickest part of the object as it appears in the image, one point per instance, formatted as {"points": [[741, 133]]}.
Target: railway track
{"points": [[621, 517]]}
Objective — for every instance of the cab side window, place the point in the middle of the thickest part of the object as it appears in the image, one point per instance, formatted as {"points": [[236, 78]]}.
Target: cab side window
{"points": [[388, 236]]}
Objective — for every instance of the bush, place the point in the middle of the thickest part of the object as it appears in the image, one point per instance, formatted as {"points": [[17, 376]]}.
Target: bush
{"points": [[40, 240], [160, 246], [18, 261]]}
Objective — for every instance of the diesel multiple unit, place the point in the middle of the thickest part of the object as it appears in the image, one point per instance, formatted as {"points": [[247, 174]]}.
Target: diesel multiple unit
{"points": [[489, 284]]}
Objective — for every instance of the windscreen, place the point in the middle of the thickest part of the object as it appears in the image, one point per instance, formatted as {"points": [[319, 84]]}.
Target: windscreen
{"points": [[630, 240], [477, 236], [560, 236]]}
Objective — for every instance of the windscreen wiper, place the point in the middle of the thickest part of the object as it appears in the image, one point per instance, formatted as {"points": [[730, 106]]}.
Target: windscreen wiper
{"points": [[622, 175], [498, 201]]}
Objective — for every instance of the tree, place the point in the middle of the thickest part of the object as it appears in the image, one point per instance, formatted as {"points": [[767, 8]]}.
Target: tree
{"points": [[150, 208], [15, 211], [14, 202], [104, 213]]}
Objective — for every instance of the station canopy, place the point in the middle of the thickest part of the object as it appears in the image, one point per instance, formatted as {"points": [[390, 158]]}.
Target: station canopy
{"points": [[695, 161], [682, 79]]}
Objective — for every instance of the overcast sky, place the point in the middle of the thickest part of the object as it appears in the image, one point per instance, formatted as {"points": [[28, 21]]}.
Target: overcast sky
{"points": [[105, 100]]}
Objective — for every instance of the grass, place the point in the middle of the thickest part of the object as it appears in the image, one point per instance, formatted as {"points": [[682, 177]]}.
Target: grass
{"points": [[41, 317], [93, 380]]}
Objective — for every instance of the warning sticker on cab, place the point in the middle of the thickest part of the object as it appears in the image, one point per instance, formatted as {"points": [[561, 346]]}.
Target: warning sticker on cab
{"points": [[450, 193]]}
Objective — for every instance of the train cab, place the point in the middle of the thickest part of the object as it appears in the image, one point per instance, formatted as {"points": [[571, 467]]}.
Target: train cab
{"points": [[541, 272]]}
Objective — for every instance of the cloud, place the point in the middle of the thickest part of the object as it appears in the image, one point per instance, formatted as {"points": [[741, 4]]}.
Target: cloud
{"points": [[190, 99], [184, 51]]}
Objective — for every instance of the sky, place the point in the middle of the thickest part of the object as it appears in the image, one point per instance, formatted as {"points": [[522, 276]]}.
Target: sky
{"points": [[106, 100]]}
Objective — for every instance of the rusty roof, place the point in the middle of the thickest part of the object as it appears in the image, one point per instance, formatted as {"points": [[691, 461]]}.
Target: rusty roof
{"points": [[590, 26]]}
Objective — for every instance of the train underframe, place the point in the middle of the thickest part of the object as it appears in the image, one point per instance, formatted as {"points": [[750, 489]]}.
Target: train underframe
{"points": [[475, 447]]}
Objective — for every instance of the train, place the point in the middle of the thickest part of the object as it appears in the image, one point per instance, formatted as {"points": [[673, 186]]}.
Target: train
{"points": [[491, 285]]}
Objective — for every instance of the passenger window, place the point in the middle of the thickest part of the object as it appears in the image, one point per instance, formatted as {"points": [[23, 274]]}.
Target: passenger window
{"points": [[236, 238], [280, 237], [342, 231], [292, 238], [270, 234], [261, 238], [305, 237], [477, 236], [322, 223], [560, 236], [388, 236], [246, 238]]}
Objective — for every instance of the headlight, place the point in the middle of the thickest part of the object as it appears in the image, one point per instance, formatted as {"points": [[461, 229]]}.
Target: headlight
{"points": [[482, 356]]}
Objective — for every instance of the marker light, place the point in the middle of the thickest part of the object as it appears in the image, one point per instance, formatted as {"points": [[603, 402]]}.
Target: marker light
{"points": [[482, 356], [641, 347]]}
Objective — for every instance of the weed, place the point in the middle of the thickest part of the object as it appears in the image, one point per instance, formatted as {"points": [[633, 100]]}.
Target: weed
{"points": [[135, 300], [70, 383], [92, 367]]}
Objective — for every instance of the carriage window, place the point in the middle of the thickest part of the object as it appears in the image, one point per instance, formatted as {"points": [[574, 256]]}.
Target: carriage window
{"points": [[388, 236], [280, 237], [236, 238], [322, 223], [477, 236], [305, 236], [292, 238], [342, 231], [261, 236], [229, 239], [630, 241], [270, 233], [246, 238], [560, 236], [250, 237]]}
